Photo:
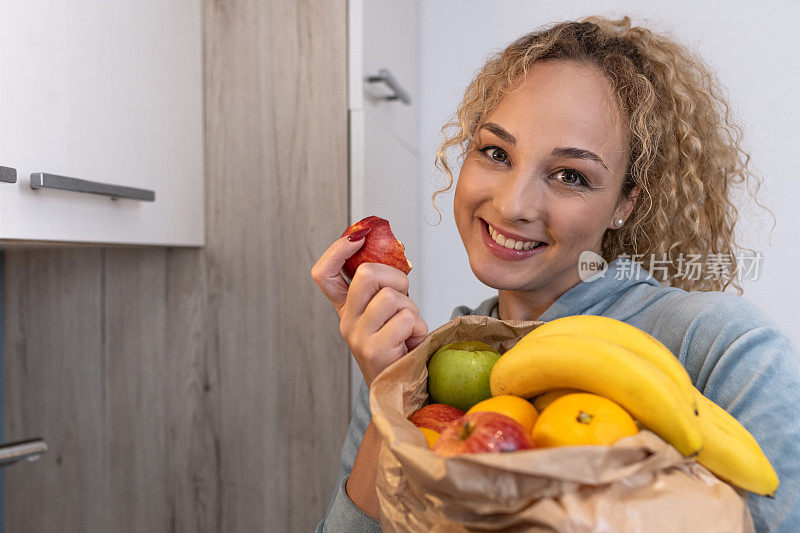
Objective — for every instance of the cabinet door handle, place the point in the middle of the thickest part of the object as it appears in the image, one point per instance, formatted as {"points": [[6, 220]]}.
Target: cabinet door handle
{"points": [[41, 180], [12, 452], [384, 76], [8, 174]]}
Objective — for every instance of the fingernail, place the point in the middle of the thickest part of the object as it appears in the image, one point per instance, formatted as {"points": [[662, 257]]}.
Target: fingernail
{"points": [[358, 235]]}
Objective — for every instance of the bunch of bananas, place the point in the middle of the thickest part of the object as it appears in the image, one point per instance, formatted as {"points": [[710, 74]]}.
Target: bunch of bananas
{"points": [[608, 357]]}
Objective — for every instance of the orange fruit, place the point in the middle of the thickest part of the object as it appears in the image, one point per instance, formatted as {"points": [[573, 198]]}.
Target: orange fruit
{"points": [[514, 407], [582, 418], [430, 435]]}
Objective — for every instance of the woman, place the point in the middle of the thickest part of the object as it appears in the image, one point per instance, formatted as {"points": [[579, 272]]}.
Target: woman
{"points": [[590, 137]]}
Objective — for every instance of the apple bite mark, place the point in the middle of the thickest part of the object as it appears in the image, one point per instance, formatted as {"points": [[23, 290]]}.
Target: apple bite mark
{"points": [[380, 246]]}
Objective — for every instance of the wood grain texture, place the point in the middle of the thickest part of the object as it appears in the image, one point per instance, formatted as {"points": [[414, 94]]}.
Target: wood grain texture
{"points": [[193, 396], [54, 387], [278, 118], [199, 389], [134, 288]]}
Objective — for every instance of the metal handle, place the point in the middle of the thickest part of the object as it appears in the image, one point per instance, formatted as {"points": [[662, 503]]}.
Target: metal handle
{"points": [[8, 174], [30, 450], [41, 180], [384, 76]]}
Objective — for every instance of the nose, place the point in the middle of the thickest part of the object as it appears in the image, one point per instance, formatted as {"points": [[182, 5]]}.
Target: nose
{"points": [[519, 196]]}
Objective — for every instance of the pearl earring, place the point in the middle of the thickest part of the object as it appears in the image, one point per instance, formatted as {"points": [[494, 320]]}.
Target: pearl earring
{"points": [[620, 222]]}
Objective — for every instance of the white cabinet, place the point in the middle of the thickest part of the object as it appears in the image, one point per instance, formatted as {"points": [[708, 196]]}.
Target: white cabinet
{"points": [[384, 150], [110, 92], [386, 166]]}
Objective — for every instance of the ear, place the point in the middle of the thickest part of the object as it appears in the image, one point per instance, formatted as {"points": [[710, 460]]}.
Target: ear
{"points": [[625, 207]]}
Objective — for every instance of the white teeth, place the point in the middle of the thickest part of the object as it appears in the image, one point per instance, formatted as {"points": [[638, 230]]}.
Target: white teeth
{"points": [[511, 244]]}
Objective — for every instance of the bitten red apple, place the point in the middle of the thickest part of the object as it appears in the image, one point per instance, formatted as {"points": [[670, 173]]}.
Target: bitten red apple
{"points": [[380, 246], [482, 431], [435, 416]]}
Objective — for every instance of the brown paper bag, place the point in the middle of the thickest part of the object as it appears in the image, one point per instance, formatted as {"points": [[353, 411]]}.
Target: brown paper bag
{"points": [[640, 484]]}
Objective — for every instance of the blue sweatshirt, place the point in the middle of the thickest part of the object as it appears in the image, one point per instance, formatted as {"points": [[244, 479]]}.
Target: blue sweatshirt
{"points": [[735, 353]]}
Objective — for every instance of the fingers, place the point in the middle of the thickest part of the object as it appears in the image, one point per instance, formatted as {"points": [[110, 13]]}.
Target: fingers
{"points": [[383, 306], [418, 334], [380, 349], [368, 280], [389, 343], [378, 318], [394, 319], [327, 270], [401, 328]]}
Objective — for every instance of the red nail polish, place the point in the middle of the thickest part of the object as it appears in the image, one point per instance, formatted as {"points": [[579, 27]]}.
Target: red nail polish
{"points": [[358, 235]]}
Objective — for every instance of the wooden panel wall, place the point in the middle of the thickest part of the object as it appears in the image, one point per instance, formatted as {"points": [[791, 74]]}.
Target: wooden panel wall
{"points": [[199, 389]]}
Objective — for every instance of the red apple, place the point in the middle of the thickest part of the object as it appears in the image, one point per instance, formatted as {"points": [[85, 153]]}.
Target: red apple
{"points": [[482, 431], [435, 416], [380, 246]]}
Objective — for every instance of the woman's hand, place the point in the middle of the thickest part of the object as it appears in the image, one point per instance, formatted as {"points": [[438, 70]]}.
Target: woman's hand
{"points": [[377, 319]]}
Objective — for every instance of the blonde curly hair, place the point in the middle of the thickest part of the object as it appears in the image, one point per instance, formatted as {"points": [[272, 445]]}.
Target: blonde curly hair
{"points": [[685, 151]]}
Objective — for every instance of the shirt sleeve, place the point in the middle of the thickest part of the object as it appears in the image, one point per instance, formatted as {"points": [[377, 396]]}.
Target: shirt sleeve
{"points": [[343, 515], [739, 358]]}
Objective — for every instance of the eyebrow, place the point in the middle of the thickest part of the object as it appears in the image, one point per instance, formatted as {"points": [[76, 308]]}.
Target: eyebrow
{"points": [[558, 151]]}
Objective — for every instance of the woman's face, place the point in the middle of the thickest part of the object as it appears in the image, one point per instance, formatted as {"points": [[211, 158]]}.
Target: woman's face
{"points": [[547, 166]]}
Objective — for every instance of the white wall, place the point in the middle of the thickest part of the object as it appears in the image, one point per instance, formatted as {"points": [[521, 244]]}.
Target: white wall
{"points": [[751, 46]]}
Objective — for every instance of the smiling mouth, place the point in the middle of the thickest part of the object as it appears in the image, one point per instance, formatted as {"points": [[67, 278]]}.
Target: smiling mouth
{"points": [[511, 244]]}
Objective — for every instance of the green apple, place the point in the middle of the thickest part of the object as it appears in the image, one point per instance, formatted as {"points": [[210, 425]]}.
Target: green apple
{"points": [[458, 373]]}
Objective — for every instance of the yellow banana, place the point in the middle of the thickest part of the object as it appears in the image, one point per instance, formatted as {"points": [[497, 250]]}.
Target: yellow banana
{"points": [[731, 452], [602, 367], [627, 336]]}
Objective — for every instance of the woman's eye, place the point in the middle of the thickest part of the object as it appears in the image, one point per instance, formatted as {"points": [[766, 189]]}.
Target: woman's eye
{"points": [[495, 153], [572, 177]]}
